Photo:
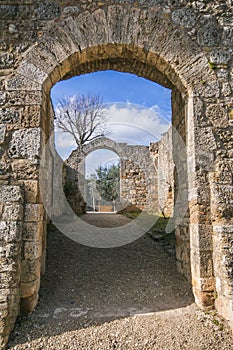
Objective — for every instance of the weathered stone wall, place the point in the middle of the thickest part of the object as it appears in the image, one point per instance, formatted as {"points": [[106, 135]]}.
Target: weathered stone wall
{"points": [[185, 45], [73, 184], [181, 190], [164, 167], [138, 182], [11, 210]]}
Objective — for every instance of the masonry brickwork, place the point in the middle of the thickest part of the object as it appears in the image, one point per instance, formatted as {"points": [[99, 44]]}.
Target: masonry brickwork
{"points": [[185, 45], [138, 179], [164, 168]]}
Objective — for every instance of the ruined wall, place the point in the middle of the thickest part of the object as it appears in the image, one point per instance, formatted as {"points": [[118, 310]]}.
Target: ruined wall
{"points": [[185, 45], [74, 185], [164, 167], [138, 181]]}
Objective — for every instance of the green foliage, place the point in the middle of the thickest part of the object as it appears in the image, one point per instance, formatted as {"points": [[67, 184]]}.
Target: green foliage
{"points": [[108, 182], [212, 65]]}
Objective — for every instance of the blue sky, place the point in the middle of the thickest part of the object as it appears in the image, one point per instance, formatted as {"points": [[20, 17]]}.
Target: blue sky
{"points": [[139, 110], [115, 87]]}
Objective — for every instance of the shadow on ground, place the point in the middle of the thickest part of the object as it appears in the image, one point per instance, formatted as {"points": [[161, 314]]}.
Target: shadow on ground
{"points": [[86, 286]]}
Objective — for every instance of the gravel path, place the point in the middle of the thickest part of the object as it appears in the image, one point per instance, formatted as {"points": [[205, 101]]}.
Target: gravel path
{"points": [[126, 298]]}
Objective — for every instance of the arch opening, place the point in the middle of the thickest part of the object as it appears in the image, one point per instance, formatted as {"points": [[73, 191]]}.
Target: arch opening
{"points": [[102, 181], [178, 122], [179, 110]]}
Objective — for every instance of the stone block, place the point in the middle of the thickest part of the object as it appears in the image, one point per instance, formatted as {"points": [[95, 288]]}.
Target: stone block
{"points": [[201, 237], [4, 179], [32, 250], [10, 194], [10, 231], [33, 231], [30, 270], [25, 169], [226, 89], [25, 143], [27, 305], [32, 72], [71, 10], [222, 74], [31, 117], [9, 115], [9, 11], [9, 250], [29, 289], [43, 259], [34, 212], [217, 114], [222, 202], [31, 194], [19, 98], [220, 56], [223, 173], [60, 48], [206, 264], [4, 294], [9, 280], [47, 10], [185, 17], [209, 32], [205, 300], [13, 212], [44, 59], [211, 89], [19, 82], [9, 264], [7, 60], [224, 306]]}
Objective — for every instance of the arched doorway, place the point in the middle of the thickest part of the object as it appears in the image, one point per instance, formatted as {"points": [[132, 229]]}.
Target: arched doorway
{"points": [[70, 47]]}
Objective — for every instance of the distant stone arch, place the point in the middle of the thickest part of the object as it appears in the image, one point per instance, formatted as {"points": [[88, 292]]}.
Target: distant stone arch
{"points": [[103, 143], [137, 173]]}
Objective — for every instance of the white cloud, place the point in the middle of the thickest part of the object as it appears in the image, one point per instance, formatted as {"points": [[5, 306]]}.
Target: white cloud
{"points": [[135, 124], [128, 123], [64, 143]]}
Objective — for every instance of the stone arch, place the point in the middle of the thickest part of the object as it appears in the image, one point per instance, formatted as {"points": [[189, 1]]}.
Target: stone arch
{"points": [[137, 158], [105, 143], [156, 46], [76, 166]]}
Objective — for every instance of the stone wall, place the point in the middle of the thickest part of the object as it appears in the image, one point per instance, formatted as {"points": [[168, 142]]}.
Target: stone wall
{"points": [[74, 185], [11, 210], [138, 180], [185, 45], [164, 167], [146, 175]]}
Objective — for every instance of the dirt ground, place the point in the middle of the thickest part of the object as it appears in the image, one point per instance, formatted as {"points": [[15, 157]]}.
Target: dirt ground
{"points": [[130, 297]]}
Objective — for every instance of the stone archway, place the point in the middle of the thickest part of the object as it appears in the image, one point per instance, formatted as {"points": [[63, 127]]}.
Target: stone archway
{"points": [[137, 173], [163, 44]]}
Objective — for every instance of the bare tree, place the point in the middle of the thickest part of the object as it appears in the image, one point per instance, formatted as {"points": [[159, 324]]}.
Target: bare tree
{"points": [[83, 117]]}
